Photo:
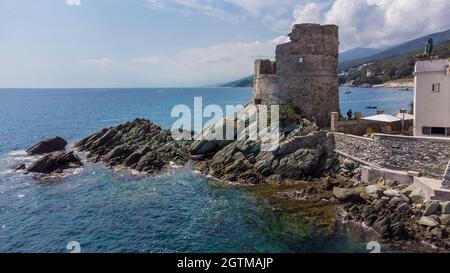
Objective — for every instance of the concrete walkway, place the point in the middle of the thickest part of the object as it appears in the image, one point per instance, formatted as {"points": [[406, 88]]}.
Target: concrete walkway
{"points": [[432, 188]]}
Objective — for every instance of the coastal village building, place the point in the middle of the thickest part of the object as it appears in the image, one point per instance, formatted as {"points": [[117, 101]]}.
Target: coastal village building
{"points": [[304, 75], [370, 73], [432, 98]]}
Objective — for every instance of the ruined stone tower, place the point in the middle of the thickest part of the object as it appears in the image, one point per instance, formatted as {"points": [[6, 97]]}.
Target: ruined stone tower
{"points": [[305, 73]]}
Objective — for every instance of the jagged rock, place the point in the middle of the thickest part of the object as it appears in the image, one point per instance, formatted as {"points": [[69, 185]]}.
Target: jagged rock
{"points": [[19, 167], [348, 195], [417, 196], [380, 203], [52, 163], [445, 207], [374, 191], [138, 144], [395, 201], [263, 167], [383, 227], [349, 164], [48, 146], [403, 207], [408, 190], [445, 219], [206, 147], [210, 142], [391, 193], [428, 221], [244, 161], [434, 208]]}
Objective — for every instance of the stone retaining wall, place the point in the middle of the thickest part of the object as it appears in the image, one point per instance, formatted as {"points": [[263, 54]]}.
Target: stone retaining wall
{"points": [[430, 156]]}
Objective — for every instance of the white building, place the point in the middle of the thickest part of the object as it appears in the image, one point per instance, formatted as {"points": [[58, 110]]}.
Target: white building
{"points": [[432, 98]]}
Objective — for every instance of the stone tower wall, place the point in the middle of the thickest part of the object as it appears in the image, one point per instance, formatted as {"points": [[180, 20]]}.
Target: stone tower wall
{"points": [[265, 84], [311, 86], [306, 73]]}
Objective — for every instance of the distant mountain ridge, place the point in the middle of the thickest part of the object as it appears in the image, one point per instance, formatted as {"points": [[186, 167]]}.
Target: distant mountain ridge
{"points": [[395, 68], [357, 53], [244, 82], [408, 47]]}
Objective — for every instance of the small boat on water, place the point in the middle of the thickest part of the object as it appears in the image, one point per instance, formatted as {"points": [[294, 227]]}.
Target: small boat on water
{"points": [[348, 91], [372, 107]]}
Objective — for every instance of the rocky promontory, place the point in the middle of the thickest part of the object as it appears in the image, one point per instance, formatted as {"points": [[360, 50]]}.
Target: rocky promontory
{"points": [[55, 163], [53, 159], [140, 145], [48, 146], [302, 153], [296, 157]]}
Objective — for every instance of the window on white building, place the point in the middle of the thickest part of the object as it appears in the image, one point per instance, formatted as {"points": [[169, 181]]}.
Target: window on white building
{"points": [[436, 87], [436, 131], [426, 130]]}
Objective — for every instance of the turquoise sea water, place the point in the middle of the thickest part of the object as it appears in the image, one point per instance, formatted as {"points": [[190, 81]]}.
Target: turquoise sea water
{"points": [[111, 211]]}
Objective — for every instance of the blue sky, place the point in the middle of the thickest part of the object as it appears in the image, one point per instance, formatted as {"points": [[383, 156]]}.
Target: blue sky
{"points": [[159, 43]]}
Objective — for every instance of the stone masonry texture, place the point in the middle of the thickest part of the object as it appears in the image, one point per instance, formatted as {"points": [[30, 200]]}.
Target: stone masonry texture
{"points": [[427, 155], [305, 74]]}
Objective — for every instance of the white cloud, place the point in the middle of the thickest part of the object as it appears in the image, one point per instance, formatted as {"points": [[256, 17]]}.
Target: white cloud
{"points": [[309, 13], [213, 9], [274, 14], [202, 66], [73, 2], [379, 23], [372, 23], [369, 23], [98, 62]]}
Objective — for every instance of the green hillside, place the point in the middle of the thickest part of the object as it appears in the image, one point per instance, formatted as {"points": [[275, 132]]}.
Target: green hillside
{"points": [[244, 82], [392, 68], [408, 47]]}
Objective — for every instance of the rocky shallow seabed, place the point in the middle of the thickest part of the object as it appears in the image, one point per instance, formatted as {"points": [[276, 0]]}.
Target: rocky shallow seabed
{"points": [[395, 212]]}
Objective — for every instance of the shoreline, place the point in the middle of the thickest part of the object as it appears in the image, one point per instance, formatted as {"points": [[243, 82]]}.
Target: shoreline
{"points": [[142, 146], [403, 85]]}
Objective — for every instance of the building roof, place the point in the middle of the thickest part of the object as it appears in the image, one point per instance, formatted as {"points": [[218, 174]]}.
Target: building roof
{"points": [[383, 118], [439, 65]]}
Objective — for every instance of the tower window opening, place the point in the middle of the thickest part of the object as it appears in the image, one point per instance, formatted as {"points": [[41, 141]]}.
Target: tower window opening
{"points": [[436, 88]]}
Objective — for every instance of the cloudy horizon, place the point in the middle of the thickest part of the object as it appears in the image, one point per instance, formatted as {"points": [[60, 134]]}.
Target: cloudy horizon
{"points": [[170, 43]]}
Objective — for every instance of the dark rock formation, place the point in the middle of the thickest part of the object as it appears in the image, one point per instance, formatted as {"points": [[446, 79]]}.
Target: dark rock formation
{"points": [[48, 146], [396, 217], [19, 167], [138, 144], [298, 158], [348, 195], [55, 163]]}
